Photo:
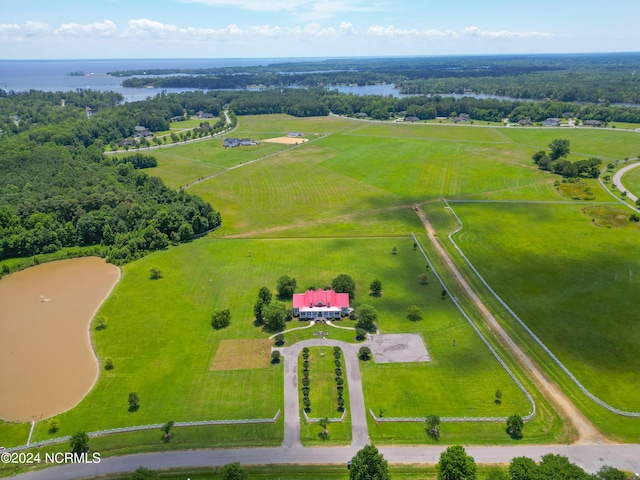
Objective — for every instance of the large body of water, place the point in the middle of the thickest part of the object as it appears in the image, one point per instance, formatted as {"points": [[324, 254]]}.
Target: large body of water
{"points": [[54, 75]]}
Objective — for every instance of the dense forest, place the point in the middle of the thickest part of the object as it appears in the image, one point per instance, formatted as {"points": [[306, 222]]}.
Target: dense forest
{"points": [[609, 78], [58, 189]]}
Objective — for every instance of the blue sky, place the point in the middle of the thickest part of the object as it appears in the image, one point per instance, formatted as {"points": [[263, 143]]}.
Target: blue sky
{"points": [[34, 29]]}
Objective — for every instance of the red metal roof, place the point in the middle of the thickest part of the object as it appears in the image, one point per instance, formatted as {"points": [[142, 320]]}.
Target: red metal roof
{"points": [[316, 297]]}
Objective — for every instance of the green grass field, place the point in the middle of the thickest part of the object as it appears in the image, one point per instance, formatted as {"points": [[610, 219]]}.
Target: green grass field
{"points": [[339, 204]]}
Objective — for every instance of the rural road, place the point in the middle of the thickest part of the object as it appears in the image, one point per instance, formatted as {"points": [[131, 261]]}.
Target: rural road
{"points": [[617, 180], [589, 457]]}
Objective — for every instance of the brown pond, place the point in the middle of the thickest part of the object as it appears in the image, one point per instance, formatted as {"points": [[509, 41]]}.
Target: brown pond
{"points": [[47, 363]]}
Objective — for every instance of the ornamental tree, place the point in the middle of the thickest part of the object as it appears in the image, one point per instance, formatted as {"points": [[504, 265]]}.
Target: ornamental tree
{"points": [[369, 464]]}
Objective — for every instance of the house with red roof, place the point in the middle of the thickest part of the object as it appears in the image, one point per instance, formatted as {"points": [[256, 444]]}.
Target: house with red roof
{"points": [[316, 304]]}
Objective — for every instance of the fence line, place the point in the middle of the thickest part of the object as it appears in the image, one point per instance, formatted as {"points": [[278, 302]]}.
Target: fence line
{"points": [[532, 403], [155, 426], [568, 372], [331, 420], [445, 419]]}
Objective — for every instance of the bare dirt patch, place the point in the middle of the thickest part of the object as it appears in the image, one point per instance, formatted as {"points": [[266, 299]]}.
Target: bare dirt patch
{"points": [[47, 363], [398, 348], [242, 354], [286, 140]]}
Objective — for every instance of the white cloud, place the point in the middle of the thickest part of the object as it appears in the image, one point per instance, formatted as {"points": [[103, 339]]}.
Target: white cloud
{"points": [[329, 38], [104, 29], [467, 32]]}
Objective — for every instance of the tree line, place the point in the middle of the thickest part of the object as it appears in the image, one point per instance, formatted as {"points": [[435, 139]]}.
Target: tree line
{"points": [[59, 190], [566, 78]]}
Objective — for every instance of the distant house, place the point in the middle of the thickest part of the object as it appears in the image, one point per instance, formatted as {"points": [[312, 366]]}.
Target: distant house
{"points": [[296, 134], [411, 118], [206, 115], [316, 304], [592, 123], [525, 121], [468, 91], [463, 117], [238, 142], [551, 122], [89, 111], [231, 143], [139, 131], [362, 115]]}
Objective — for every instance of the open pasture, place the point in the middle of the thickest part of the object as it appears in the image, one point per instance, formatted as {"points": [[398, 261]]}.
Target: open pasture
{"points": [[266, 126], [607, 144], [185, 163], [572, 282]]}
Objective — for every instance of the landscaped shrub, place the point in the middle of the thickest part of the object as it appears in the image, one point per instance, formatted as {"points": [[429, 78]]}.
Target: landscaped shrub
{"points": [[361, 334], [338, 372], [336, 349], [338, 363], [306, 402], [337, 355], [305, 382], [279, 340], [340, 389], [108, 364], [340, 402], [275, 357], [339, 380], [364, 353], [305, 364], [305, 391]]}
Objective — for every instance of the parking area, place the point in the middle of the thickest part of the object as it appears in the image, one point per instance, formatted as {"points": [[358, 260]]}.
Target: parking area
{"points": [[398, 348]]}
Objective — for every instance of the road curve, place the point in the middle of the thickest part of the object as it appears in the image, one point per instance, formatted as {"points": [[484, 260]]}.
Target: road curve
{"points": [[617, 180]]}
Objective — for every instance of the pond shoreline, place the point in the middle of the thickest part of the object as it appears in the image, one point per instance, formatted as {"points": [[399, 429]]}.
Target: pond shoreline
{"points": [[47, 354]]}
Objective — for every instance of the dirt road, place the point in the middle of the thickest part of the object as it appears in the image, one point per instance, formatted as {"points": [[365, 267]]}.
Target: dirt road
{"points": [[587, 433]]}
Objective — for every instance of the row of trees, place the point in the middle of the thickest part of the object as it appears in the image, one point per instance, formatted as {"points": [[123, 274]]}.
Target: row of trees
{"points": [[456, 464]]}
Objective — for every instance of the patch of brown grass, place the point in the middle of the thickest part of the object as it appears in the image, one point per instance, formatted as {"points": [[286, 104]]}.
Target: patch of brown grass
{"points": [[242, 354], [287, 140]]}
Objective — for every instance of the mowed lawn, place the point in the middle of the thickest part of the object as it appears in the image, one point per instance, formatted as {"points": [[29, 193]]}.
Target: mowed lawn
{"points": [[572, 274], [323, 395], [162, 344]]}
